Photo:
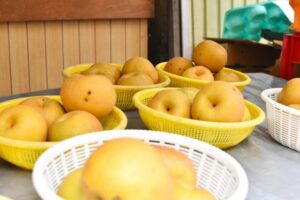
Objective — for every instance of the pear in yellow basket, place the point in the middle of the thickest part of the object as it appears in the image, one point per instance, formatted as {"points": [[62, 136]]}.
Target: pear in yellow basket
{"points": [[199, 72], [178, 65], [247, 114], [135, 78], [173, 102], [106, 69], [190, 92], [227, 76], [72, 124], [23, 122], [218, 101], [49, 108], [211, 55], [140, 64], [93, 93]]}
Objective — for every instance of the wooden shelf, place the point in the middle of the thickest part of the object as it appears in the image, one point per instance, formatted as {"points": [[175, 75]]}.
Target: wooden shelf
{"points": [[44, 10]]}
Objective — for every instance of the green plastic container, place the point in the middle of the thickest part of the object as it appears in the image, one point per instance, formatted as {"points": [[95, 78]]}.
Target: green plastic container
{"points": [[248, 22]]}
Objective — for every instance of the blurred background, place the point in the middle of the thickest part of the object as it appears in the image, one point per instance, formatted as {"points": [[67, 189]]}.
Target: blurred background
{"points": [[40, 38]]}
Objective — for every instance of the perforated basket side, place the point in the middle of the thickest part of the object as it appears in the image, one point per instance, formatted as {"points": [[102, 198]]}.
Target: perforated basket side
{"points": [[125, 93], [283, 121], [180, 81], [25, 153], [222, 135]]}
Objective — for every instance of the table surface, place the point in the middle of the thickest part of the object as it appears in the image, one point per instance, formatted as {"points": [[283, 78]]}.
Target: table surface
{"points": [[272, 169]]}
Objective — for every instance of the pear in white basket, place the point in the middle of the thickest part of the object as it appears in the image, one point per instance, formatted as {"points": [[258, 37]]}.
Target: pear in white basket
{"points": [[127, 168], [290, 92], [184, 191], [180, 166], [71, 188]]}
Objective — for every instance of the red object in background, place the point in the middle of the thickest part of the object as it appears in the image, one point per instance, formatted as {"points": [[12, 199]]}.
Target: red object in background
{"points": [[290, 54]]}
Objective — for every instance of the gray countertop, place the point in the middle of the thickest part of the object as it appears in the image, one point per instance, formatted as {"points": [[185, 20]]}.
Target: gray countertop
{"points": [[272, 169]]}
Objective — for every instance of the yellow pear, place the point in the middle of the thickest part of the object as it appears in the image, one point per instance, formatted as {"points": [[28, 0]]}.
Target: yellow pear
{"points": [[210, 54], [127, 168], [110, 71], [247, 114], [227, 76], [135, 78], [94, 93], [140, 64], [290, 92], [199, 72], [180, 166], [22, 122], [178, 65], [219, 101], [71, 188], [190, 92], [296, 106], [173, 102], [185, 191], [49, 108]]}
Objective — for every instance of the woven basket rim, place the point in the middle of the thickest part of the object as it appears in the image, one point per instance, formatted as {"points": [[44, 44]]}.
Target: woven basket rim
{"points": [[265, 96], [165, 80], [46, 144], [192, 122], [240, 192], [246, 81]]}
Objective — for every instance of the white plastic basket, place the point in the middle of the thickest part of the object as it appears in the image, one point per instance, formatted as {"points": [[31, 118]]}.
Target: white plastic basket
{"points": [[283, 121], [217, 171]]}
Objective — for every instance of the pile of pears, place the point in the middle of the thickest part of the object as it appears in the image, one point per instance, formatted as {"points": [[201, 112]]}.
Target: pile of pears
{"points": [[135, 71], [208, 61]]}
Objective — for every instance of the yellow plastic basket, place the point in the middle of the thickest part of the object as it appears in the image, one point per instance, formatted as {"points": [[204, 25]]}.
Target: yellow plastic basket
{"points": [[25, 153], [124, 92], [180, 81], [219, 134]]}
